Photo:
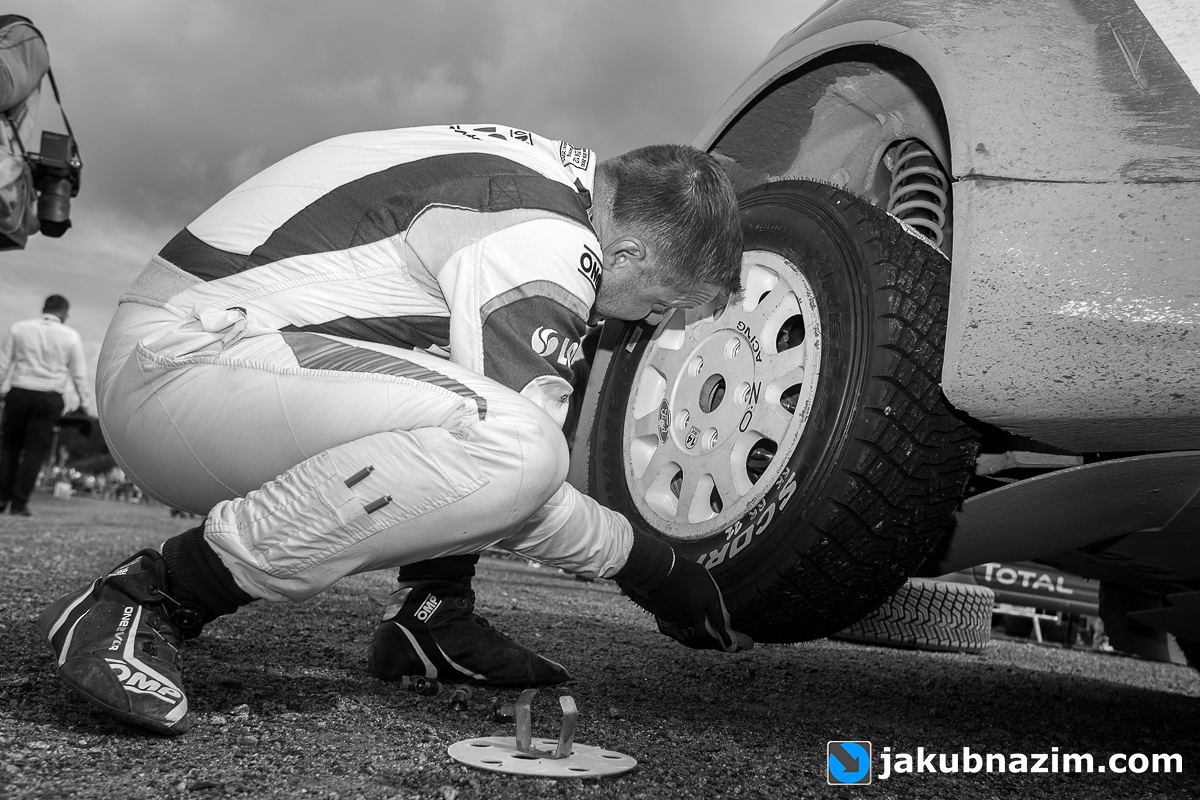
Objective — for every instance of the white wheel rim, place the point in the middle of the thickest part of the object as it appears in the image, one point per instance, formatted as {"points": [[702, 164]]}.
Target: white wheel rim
{"points": [[712, 387]]}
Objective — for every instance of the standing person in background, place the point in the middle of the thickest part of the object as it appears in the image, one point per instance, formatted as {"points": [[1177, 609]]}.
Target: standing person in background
{"points": [[37, 358]]}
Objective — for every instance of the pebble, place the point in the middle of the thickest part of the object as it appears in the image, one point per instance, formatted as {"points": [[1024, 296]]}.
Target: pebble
{"points": [[197, 786], [248, 741]]}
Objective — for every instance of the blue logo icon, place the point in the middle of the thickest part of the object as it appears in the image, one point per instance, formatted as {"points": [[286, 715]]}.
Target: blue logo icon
{"points": [[849, 764]]}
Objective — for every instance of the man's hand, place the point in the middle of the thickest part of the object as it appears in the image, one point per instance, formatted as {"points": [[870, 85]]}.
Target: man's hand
{"points": [[683, 597], [691, 610]]}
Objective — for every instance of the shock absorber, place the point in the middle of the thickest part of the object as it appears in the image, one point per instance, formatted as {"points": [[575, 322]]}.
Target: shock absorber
{"points": [[918, 192]]}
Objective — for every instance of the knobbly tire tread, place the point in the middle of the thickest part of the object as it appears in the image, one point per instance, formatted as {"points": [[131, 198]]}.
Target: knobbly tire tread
{"points": [[881, 490], [929, 615]]}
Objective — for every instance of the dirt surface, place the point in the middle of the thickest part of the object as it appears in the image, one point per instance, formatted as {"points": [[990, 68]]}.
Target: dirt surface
{"points": [[283, 706]]}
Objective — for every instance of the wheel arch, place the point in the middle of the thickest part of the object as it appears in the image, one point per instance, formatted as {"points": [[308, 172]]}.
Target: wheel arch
{"points": [[850, 68]]}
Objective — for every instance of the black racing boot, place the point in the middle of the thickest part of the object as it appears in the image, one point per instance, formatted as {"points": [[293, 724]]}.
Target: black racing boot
{"points": [[117, 645], [431, 629]]}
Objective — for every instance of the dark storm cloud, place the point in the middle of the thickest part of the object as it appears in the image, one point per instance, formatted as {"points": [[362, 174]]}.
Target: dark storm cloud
{"points": [[176, 103]]}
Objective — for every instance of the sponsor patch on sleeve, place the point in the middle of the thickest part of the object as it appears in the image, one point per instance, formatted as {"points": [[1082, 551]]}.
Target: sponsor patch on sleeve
{"points": [[590, 267]]}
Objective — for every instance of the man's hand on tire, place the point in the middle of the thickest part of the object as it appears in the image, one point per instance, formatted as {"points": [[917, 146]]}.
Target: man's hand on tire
{"points": [[683, 597]]}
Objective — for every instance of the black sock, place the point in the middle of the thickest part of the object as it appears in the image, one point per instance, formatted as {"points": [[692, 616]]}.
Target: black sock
{"points": [[447, 569], [199, 579]]}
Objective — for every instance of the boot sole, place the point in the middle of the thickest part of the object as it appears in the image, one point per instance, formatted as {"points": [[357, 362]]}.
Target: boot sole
{"points": [[128, 717]]}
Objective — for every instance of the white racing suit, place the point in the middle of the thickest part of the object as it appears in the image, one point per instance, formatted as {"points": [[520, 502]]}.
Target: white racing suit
{"points": [[359, 359]]}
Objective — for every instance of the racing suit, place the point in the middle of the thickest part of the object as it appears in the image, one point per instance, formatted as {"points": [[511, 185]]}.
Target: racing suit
{"points": [[360, 359]]}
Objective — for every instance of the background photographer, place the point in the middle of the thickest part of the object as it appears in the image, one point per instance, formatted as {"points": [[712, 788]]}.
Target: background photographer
{"points": [[36, 186]]}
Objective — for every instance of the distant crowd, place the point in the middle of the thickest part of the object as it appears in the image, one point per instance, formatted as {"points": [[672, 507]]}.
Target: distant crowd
{"points": [[110, 485]]}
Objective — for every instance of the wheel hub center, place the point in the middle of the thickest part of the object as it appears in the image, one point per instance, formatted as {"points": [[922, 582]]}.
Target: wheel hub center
{"points": [[712, 392]]}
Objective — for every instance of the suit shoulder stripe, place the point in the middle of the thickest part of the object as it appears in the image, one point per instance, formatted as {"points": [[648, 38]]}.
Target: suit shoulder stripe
{"points": [[383, 204]]}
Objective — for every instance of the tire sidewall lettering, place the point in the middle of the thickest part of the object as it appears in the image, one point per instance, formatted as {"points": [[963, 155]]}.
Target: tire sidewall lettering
{"points": [[739, 544], [755, 523]]}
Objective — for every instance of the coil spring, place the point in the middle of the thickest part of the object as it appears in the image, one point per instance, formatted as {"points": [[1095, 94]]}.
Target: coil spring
{"points": [[917, 194]]}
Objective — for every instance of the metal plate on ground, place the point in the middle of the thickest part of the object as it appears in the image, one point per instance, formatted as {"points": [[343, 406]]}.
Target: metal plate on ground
{"points": [[500, 754]]}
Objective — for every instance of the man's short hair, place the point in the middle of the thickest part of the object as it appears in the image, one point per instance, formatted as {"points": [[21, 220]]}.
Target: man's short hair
{"points": [[681, 200], [56, 304]]}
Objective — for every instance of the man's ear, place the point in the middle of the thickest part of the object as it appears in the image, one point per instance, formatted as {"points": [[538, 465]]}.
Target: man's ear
{"points": [[624, 253]]}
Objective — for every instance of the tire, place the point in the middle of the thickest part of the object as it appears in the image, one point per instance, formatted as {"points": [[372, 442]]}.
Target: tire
{"points": [[929, 615], [835, 463]]}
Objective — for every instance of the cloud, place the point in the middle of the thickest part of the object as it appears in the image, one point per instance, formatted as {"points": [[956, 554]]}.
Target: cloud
{"points": [[433, 96], [245, 164]]}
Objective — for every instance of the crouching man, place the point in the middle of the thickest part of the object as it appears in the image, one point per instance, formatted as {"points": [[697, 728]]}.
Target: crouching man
{"points": [[359, 359]]}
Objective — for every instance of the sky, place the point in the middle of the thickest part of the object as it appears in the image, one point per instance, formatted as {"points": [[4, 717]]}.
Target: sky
{"points": [[175, 103]]}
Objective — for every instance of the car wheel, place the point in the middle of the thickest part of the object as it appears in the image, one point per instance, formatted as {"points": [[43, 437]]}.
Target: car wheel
{"points": [[929, 615], [794, 438]]}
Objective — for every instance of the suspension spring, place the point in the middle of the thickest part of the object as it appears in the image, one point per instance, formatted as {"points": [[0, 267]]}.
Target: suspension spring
{"points": [[917, 194]]}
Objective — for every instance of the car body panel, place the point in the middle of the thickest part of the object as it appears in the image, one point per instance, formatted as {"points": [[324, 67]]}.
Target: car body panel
{"points": [[1076, 321], [1077, 507], [1076, 165]]}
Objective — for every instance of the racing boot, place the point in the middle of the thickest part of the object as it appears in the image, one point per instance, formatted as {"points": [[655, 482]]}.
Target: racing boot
{"points": [[117, 645], [431, 629]]}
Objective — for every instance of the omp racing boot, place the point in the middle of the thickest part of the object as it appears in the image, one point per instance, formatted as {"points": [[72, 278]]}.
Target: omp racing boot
{"points": [[117, 646], [435, 632]]}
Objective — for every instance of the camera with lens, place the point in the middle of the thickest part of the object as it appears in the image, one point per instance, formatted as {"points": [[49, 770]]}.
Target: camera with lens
{"points": [[56, 170]]}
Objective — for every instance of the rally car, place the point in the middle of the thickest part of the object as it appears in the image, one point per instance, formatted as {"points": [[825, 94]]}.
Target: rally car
{"points": [[968, 325]]}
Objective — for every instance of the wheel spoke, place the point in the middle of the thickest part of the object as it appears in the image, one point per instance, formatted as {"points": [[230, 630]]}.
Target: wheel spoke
{"points": [[779, 304], [668, 361], [671, 334], [719, 467], [692, 475], [650, 391], [662, 455], [757, 280], [772, 421], [646, 425], [785, 369]]}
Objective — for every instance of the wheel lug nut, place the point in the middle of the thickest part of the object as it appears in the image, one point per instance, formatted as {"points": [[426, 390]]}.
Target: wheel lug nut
{"points": [[696, 366], [709, 439], [683, 418], [732, 348]]}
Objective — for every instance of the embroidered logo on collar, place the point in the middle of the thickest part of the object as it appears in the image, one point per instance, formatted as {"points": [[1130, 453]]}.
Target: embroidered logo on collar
{"points": [[573, 156]]}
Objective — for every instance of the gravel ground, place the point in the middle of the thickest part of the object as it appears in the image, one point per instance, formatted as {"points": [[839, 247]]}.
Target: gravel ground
{"points": [[283, 706]]}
